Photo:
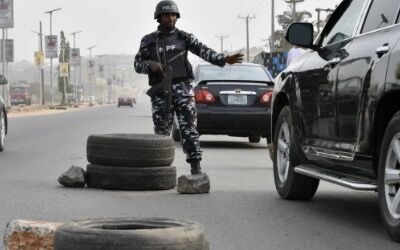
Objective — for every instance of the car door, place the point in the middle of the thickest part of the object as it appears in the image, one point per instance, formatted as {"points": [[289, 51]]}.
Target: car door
{"points": [[358, 78], [317, 80]]}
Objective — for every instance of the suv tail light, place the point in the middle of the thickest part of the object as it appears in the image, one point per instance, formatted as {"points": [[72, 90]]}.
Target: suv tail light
{"points": [[266, 98], [204, 96]]}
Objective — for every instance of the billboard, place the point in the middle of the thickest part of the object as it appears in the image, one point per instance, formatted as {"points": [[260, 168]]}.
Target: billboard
{"points": [[75, 57], [51, 46], [6, 14], [9, 50], [39, 58]]}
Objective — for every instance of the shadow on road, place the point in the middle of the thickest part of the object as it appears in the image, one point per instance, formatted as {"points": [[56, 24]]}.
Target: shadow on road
{"points": [[230, 144], [344, 209]]}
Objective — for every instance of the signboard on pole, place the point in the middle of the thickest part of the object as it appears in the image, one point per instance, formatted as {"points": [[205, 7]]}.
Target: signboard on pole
{"points": [[51, 46], [6, 14], [75, 57], [64, 69], [91, 70], [9, 50], [39, 58], [101, 70]]}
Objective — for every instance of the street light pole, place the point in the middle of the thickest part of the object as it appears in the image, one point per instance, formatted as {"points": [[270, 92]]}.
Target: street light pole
{"points": [[90, 76], [272, 41], [50, 12], [75, 67]]}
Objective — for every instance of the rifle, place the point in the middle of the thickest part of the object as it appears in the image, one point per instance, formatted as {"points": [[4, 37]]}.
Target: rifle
{"points": [[164, 88]]}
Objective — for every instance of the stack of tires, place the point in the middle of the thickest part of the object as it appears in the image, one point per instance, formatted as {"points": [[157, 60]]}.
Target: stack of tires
{"points": [[130, 162]]}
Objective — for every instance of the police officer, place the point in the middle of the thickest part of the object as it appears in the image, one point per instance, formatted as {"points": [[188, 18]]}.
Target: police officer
{"points": [[169, 46]]}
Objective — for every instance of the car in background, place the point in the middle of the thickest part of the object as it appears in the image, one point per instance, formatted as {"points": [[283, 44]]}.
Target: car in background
{"points": [[126, 101], [3, 117], [234, 100], [19, 94]]}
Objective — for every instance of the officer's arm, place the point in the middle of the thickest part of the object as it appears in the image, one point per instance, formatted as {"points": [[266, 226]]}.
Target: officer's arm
{"points": [[201, 50], [142, 58]]}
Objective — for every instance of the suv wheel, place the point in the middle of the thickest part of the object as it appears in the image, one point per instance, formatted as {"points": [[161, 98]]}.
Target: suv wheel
{"points": [[2, 131], [289, 184], [389, 178]]}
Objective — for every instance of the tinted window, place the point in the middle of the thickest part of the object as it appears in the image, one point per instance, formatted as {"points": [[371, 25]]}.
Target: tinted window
{"points": [[345, 26], [234, 72], [381, 14]]}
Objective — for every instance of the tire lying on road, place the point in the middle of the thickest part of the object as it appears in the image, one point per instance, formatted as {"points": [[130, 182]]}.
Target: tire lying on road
{"points": [[124, 178], [131, 150], [130, 233]]}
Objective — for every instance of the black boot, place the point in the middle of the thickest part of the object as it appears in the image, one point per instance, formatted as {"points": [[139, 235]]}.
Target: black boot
{"points": [[195, 167]]}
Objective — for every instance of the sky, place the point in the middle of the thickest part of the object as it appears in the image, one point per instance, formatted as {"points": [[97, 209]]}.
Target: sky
{"points": [[116, 27]]}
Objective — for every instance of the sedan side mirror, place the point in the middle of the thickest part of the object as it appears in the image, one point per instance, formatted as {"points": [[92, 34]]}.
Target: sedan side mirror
{"points": [[301, 34], [3, 80]]}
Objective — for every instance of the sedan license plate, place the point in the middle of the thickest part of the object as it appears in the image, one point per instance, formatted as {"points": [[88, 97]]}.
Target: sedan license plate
{"points": [[237, 99]]}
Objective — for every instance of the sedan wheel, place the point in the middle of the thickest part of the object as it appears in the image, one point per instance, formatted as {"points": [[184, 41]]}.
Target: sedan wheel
{"points": [[389, 178], [2, 131]]}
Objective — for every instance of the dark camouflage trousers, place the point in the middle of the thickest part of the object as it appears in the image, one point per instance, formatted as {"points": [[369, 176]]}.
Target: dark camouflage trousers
{"points": [[183, 104]]}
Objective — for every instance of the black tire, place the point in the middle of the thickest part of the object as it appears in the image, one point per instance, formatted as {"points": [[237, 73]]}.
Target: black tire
{"points": [[392, 223], [123, 178], [131, 150], [2, 131], [254, 139], [130, 234], [295, 186]]}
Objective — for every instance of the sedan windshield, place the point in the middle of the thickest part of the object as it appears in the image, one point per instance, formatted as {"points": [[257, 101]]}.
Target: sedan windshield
{"points": [[234, 72]]}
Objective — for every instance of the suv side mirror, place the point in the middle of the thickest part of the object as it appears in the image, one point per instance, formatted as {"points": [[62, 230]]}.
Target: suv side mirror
{"points": [[301, 34], [3, 80]]}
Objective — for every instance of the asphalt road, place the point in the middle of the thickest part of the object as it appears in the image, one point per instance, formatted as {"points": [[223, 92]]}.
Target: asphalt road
{"points": [[243, 210]]}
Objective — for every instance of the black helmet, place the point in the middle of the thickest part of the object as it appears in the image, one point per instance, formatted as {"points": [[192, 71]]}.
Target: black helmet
{"points": [[166, 6]]}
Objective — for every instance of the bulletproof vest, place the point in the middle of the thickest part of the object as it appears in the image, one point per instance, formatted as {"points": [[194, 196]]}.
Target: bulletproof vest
{"points": [[171, 50]]}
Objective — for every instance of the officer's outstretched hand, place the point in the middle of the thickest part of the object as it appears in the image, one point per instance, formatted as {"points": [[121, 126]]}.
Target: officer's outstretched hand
{"points": [[236, 58], [155, 68]]}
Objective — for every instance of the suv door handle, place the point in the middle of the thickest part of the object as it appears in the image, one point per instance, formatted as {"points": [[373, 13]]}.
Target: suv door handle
{"points": [[333, 62], [382, 50]]}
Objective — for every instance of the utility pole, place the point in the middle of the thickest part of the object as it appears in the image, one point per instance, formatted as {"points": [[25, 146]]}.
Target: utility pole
{"points": [[319, 10], [50, 12], [40, 68], [293, 3], [272, 40], [221, 38], [75, 67], [247, 18], [90, 74], [8, 101]]}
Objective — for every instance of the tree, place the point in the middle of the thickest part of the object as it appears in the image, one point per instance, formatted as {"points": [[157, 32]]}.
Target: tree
{"points": [[285, 19], [63, 82]]}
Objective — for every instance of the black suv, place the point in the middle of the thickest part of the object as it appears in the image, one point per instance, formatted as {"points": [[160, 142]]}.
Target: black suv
{"points": [[336, 109]]}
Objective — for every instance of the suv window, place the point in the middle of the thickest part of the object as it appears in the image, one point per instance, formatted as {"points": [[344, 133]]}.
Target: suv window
{"points": [[382, 13], [346, 24]]}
